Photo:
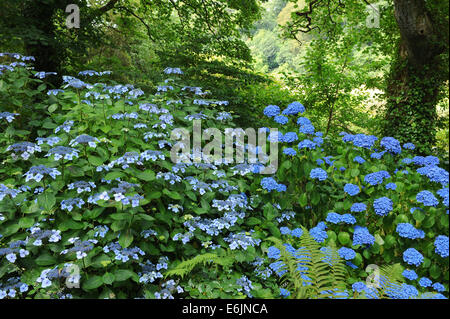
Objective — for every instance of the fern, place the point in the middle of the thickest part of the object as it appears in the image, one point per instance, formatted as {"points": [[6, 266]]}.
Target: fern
{"points": [[323, 279], [187, 266], [389, 277]]}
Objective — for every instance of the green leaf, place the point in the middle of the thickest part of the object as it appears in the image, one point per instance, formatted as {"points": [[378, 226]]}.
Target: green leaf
{"points": [[46, 200], [252, 221], [52, 108], [173, 195], [108, 278], [26, 222], [125, 239], [123, 274], [45, 260], [146, 175], [344, 238], [354, 172], [113, 175], [315, 198], [303, 200], [95, 160], [93, 283]]}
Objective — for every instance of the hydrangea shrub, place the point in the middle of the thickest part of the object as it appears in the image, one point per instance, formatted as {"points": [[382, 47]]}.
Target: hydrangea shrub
{"points": [[91, 206]]}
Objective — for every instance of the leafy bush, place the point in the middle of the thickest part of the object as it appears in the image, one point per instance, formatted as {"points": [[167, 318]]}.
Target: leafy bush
{"points": [[90, 199]]}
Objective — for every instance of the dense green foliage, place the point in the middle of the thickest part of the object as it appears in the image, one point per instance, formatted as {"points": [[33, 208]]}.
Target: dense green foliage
{"points": [[93, 206], [97, 202]]}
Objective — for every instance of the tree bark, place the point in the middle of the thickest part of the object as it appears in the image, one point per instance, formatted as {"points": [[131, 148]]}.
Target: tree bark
{"points": [[415, 78]]}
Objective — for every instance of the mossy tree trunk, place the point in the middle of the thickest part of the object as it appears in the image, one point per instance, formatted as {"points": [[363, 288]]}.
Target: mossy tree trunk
{"points": [[416, 76]]}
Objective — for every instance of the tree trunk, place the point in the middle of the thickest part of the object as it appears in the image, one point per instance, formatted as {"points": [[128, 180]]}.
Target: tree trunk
{"points": [[415, 78], [43, 45]]}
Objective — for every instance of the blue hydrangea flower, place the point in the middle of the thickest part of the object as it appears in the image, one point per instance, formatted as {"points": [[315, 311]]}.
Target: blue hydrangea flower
{"points": [[407, 160], [297, 232], [280, 119], [427, 198], [60, 152], [361, 236], [273, 252], [412, 256], [407, 230], [318, 173], [444, 194], [410, 274], [383, 206], [347, 253], [84, 139], [307, 144], [391, 145], [441, 246], [438, 287], [294, 108], [377, 156], [392, 186], [303, 121], [359, 286], [307, 129], [359, 159], [269, 184], [358, 207], [376, 178], [39, 171], [318, 233], [335, 218], [351, 189], [409, 146], [290, 137], [284, 293], [271, 111], [289, 151], [364, 141], [9, 117], [425, 282], [435, 174], [285, 230]]}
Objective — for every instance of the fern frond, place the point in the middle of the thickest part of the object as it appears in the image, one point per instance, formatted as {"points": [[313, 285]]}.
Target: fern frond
{"points": [[320, 279], [187, 266]]}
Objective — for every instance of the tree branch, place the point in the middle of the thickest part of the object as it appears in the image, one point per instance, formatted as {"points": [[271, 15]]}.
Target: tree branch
{"points": [[110, 5]]}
